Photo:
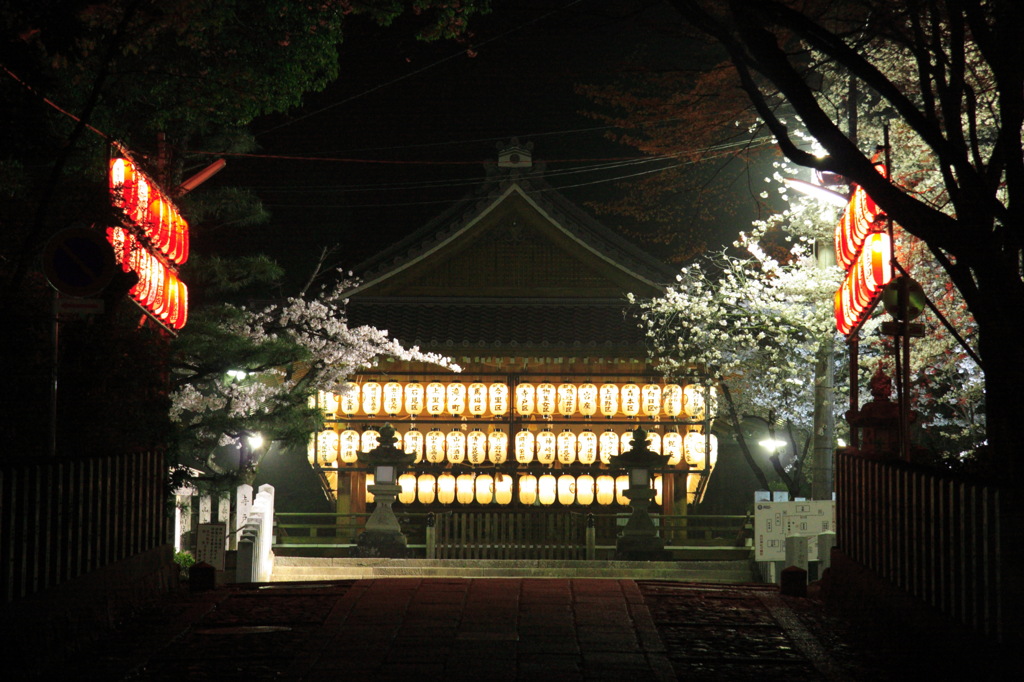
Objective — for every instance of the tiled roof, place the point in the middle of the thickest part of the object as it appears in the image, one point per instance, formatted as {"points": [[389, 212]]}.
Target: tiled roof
{"points": [[508, 327]]}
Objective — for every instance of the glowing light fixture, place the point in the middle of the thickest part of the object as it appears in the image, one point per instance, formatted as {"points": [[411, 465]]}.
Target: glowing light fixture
{"points": [[525, 395], [567, 399], [476, 446], [464, 489], [528, 489], [414, 394], [476, 396], [586, 444], [426, 488], [392, 398], [566, 489], [484, 489], [446, 488], [586, 396], [672, 400], [371, 397], [455, 446], [630, 400], [435, 394], [434, 446], [605, 490], [408, 485], [609, 400], [547, 489], [650, 400], [566, 447], [497, 446], [546, 395], [455, 396], [608, 446], [585, 490], [524, 447], [546, 447], [497, 396]]}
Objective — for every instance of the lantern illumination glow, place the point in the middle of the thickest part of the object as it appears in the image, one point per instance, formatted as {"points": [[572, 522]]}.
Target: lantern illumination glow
{"points": [[524, 447]]}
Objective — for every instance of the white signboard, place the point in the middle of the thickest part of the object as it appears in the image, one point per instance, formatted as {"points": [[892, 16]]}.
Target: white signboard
{"points": [[775, 521], [210, 544]]}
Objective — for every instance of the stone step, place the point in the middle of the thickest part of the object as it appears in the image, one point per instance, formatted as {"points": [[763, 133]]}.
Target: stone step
{"points": [[308, 569]]}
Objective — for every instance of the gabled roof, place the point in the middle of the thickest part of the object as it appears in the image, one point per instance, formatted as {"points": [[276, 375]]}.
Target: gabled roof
{"points": [[514, 266]]}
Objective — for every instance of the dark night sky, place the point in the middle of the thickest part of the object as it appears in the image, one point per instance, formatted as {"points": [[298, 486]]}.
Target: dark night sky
{"points": [[436, 114]]}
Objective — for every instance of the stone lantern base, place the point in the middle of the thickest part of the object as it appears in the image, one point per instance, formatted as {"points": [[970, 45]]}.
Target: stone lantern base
{"points": [[641, 548], [382, 544]]}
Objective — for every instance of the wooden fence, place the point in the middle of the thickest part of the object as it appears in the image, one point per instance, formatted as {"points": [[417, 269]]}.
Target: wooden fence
{"points": [[62, 519], [509, 535], [932, 535]]}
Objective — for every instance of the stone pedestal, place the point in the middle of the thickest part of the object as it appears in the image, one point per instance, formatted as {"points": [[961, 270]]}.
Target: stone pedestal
{"points": [[382, 536]]}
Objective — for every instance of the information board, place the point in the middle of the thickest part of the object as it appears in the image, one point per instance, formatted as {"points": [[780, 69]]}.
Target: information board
{"points": [[775, 521], [210, 544]]}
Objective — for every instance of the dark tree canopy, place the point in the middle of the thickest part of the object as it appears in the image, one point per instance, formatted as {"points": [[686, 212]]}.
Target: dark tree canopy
{"points": [[951, 73]]}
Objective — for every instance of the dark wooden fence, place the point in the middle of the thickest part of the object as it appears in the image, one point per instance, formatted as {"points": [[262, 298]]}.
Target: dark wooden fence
{"points": [[932, 535], [510, 535], [62, 519]]}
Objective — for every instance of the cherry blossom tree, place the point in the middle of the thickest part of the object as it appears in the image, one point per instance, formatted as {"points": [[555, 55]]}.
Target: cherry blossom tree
{"points": [[966, 110], [243, 369]]}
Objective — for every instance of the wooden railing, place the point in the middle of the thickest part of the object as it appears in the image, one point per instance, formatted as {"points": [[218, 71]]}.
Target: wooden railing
{"points": [[932, 535], [62, 519], [509, 535]]}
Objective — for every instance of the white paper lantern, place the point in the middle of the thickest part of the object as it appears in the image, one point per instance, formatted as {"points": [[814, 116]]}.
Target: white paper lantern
{"points": [[608, 446], [525, 396], [392, 400], [503, 489], [546, 447], [349, 443], [672, 445], [630, 400], [566, 489], [426, 488], [672, 400], [609, 400], [464, 488], [476, 446], [621, 483], [414, 394], [484, 489], [455, 446], [567, 399], [434, 446], [497, 446], [369, 440], [547, 489], [586, 397], [650, 400], [476, 397], [349, 398], [524, 447], [546, 396], [455, 398], [497, 396], [528, 489], [327, 447], [654, 442], [446, 488], [369, 496], [408, 484], [372, 393], [329, 403], [605, 485], [566, 447], [586, 444], [435, 396], [585, 490], [413, 443]]}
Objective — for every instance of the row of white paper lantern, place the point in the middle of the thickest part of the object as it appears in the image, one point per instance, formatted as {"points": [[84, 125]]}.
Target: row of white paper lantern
{"points": [[547, 447], [486, 489], [544, 399]]}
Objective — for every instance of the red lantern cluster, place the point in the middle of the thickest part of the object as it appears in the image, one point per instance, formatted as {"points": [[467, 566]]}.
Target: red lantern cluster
{"points": [[864, 282], [158, 290], [152, 241], [864, 250]]}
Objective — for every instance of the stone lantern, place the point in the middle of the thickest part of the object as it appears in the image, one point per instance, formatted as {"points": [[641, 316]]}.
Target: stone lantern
{"points": [[639, 539], [383, 536]]}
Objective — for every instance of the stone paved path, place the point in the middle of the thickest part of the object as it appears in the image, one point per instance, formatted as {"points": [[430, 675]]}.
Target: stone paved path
{"points": [[474, 629]]}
